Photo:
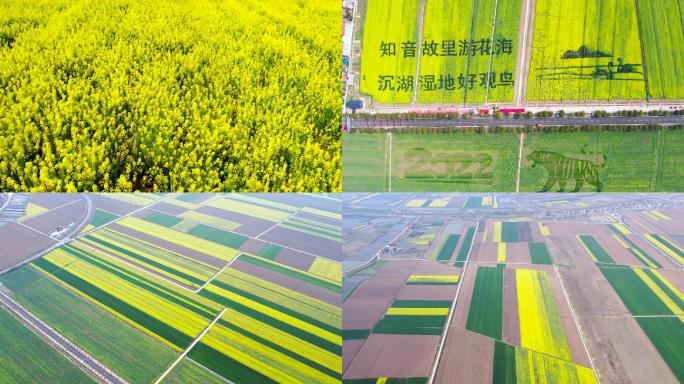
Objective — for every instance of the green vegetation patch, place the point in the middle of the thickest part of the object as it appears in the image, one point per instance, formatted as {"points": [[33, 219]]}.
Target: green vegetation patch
{"points": [[163, 219], [596, 249], [190, 372], [503, 369], [509, 232], [355, 334], [25, 358], [218, 236], [465, 248], [102, 217], [448, 248], [473, 202], [269, 251], [133, 355], [229, 368], [411, 325], [637, 296], [667, 335], [486, 307], [539, 254]]}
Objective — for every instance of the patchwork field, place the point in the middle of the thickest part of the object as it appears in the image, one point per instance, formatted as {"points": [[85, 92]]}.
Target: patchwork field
{"points": [[138, 287]]}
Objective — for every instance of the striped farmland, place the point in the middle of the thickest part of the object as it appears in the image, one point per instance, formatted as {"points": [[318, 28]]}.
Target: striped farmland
{"points": [[414, 317]]}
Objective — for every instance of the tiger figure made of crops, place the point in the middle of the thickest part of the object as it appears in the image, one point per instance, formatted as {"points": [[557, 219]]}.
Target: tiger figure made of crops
{"points": [[561, 169]]}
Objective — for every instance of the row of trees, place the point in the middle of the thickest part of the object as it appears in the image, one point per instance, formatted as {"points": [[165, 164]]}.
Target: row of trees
{"points": [[511, 129], [121, 95], [516, 115]]}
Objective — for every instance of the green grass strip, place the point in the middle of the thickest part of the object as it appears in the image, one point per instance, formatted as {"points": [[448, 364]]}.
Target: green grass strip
{"points": [[595, 248], [667, 336], [448, 247], [283, 326], [668, 244], [225, 366], [355, 334], [473, 202], [465, 248], [174, 272], [218, 236], [284, 351], [634, 292], [504, 364], [421, 304], [275, 267], [135, 315], [163, 219], [101, 218], [509, 232], [539, 254], [486, 307], [614, 229], [270, 251], [410, 325]]}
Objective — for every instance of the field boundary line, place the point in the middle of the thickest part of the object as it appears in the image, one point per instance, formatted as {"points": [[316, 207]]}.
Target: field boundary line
{"points": [[51, 209], [389, 162], [201, 366], [491, 54], [36, 231], [217, 273], [520, 154], [194, 342], [579, 327], [643, 52], [6, 203], [523, 57], [421, 18], [431, 380], [277, 224]]}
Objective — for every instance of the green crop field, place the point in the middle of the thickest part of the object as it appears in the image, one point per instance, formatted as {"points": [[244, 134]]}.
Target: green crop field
{"points": [[189, 372], [45, 365], [663, 38], [607, 161], [448, 247], [431, 162], [667, 335], [539, 254], [586, 50], [486, 308], [388, 70], [131, 354]]}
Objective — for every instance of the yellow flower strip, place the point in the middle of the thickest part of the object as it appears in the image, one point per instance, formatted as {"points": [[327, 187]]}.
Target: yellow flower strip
{"points": [[496, 236], [622, 242], [301, 303], [440, 203], [487, 201], [322, 213], [668, 284], [660, 215], [381, 380], [640, 254], [540, 326], [262, 359], [501, 254], [31, 211], [180, 238], [210, 220], [249, 209], [312, 352], [532, 367], [666, 249], [545, 231], [293, 321], [433, 278], [622, 229], [418, 311], [173, 264], [659, 292], [416, 203], [327, 269]]}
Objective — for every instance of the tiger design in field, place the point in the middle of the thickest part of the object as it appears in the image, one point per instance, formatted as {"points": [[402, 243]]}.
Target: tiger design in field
{"points": [[561, 169]]}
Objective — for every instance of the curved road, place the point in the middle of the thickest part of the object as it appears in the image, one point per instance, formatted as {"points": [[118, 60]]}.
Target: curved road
{"points": [[511, 122]]}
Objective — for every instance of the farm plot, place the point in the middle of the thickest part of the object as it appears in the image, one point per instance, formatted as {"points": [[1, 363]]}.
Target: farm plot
{"points": [[591, 161], [586, 51], [365, 162], [19, 244], [45, 364], [646, 292], [468, 51], [662, 33]]}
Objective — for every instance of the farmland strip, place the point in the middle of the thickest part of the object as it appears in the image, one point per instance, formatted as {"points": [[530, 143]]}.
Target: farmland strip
{"points": [[306, 277], [465, 248], [597, 253], [448, 248], [539, 254], [504, 363], [485, 315]]}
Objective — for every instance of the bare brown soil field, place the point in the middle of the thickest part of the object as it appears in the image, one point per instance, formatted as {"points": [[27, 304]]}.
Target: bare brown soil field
{"points": [[639, 224], [394, 356], [510, 330], [168, 245], [525, 232], [650, 250], [250, 226], [349, 350], [110, 205], [566, 228], [427, 292], [517, 253], [675, 277], [53, 200], [295, 259], [70, 214], [429, 267], [307, 243], [467, 357], [252, 246], [288, 282], [623, 353], [19, 244], [320, 219], [485, 253]]}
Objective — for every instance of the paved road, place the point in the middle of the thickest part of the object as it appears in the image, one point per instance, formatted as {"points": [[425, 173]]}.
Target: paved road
{"points": [[510, 122], [94, 367]]}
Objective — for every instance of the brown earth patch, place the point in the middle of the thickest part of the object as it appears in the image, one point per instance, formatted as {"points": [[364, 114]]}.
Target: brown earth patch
{"points": [[74, 214], [295, 259], [307, 243], [250, 226], [618, 252], [511, 321], [19, 244], [170, 209], [517, 253], [675, 277], [399, 356], [566, 228], [427, 292], [652, 251], [349, 350], [110, 205], [467, 357], [53, 200], [486, 253]]}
